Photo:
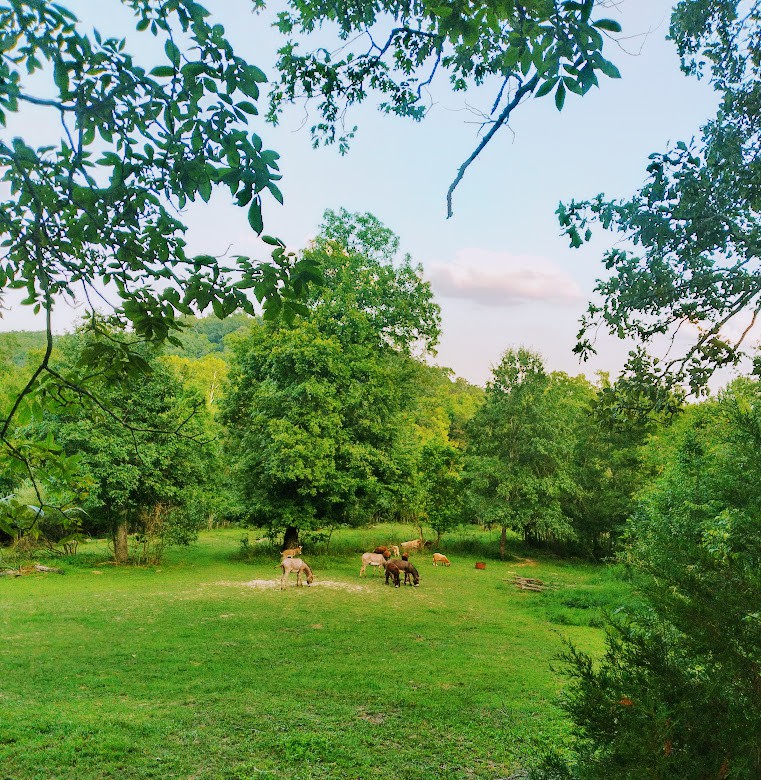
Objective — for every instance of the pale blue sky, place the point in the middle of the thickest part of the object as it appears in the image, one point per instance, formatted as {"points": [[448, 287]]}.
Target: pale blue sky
{"points": [[502, 274]]}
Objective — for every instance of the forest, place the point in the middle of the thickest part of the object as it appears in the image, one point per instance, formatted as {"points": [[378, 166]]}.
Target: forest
{"points": [[206, 413]]}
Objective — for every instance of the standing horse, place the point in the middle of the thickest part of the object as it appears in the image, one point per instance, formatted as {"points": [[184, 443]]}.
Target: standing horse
{"points": [[411, 575], [295, 564]]}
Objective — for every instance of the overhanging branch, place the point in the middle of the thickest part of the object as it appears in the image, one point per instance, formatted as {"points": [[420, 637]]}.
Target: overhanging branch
{"points": [[520, 93]]}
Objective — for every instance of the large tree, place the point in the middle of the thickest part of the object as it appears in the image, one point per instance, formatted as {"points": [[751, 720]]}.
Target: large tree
{"points": [[136, 444], [518, 457], [318, 411]]}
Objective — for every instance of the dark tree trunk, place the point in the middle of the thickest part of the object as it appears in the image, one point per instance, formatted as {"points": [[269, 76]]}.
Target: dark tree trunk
{"points": [[502, 542], [121, 549], [291, 537]]}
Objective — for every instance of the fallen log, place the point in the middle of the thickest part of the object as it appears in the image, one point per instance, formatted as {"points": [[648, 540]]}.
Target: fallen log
{"points": [[10, 573], [50, 569]]}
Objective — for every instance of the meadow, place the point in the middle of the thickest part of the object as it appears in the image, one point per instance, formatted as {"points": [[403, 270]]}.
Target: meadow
{"points": [[203, 668]]}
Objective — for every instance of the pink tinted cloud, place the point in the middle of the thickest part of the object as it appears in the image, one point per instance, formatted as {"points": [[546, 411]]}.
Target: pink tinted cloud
{"points": [[493, 278]]}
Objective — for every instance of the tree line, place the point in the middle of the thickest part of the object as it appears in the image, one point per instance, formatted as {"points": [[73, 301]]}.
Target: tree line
{"points": [[334, 419]]}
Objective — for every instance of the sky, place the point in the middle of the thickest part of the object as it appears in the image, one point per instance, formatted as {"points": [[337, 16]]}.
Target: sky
{"points": [[499, 268]]}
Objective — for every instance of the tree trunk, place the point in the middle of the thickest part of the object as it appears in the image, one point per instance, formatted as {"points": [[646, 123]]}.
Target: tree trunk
{"points": [[121, 549], [291, 537], [502, 542]]}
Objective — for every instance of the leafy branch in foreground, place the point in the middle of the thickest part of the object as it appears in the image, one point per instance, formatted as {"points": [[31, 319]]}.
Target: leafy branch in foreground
{"points": [[517, 49], [687, 274], [93, 213]]}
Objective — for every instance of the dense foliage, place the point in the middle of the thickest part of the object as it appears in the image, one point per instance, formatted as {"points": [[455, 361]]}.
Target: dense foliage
{"points": [[317, 410], [136, 450], [545, 462], [690, 262], [677, 693]]}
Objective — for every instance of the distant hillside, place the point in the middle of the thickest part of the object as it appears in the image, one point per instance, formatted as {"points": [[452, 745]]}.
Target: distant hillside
{"points": [[201, 336], [15, 345], [205, 335]]}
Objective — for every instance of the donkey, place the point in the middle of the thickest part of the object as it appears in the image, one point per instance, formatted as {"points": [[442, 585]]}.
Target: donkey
{"points": [[372, 559], [295, 564]]}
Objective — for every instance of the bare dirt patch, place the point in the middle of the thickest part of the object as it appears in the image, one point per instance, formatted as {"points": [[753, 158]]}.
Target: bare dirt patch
{"points": [[275, 585], [525, 562]]}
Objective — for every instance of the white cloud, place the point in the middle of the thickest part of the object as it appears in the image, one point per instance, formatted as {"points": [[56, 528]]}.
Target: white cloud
{"points": [[492, 278]]}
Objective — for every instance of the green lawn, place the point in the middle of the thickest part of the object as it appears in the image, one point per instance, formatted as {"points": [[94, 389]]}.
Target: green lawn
{"points": [[187, 671]]}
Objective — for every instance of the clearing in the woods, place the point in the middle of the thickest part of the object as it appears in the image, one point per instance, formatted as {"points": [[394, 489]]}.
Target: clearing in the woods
{"points": [[203, 668]]}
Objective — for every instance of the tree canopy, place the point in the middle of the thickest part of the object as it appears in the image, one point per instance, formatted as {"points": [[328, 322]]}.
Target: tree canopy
{"points": [[689, 264], [317, 410], [519, 450], [514, 49]]}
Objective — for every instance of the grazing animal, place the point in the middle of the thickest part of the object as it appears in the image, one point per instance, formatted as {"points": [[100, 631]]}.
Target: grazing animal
{"points": [[412, 546], [291, 552], [411, 575], [439, 558], [372, 559], [295, 564], [384, 551], [392, 570], [394, 550]]}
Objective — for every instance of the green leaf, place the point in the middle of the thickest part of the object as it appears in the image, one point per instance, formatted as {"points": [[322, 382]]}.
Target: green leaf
{"points": [[162, 71], [172, 52], [255, 216], [609, 69], [61, 76], [560, 96], [275, 192], [546, 88], [611, 25]]}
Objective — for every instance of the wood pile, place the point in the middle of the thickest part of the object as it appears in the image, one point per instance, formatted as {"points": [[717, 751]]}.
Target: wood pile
{"points": [[528, 583], [29, 570]]}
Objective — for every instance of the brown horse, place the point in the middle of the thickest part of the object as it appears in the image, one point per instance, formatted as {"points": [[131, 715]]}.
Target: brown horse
{"points": [[392, 570], [395, 568]]}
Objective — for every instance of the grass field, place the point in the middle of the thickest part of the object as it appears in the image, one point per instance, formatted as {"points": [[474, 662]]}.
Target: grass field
{"points": [[187, 670]]}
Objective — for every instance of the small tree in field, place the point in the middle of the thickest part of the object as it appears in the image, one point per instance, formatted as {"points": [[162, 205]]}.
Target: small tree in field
{"points": [[137, 445], [517, 462]]}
